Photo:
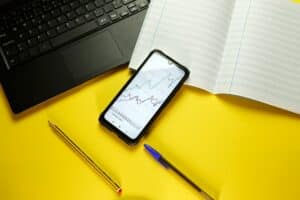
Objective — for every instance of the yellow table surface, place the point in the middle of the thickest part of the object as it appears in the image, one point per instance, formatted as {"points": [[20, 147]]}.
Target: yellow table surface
{"points": [[236, 149]]}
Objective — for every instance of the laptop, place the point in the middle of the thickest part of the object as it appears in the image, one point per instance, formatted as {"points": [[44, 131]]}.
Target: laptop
{"points": [[50, 46]]}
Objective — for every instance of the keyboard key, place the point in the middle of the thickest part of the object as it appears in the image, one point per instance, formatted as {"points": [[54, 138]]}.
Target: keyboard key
{"points": [[123, 11], [32, 42], [51, 33], [3, 37], [117, 4], [37, 12], [80, 11], [11, 50], [41, 37], [74, 4], [42, 28], [65, 8], [14, 29], [90, 7], [83, 1], [35, 22], [52, 23], [71, 15], [99, 3], [143, 4], [22, 36], [127, 1], [65, 1], [131, 5], [103, 20], [56, 3], [99, 12], [89, 16], [22, 46], [46, 17], [114, 16], [61, 28], [79, 20], [134, 9], [108, 8], [74, 33], [8, 43], [13, 61], [61, 19], [70, 24], [25, 25], [33, 32], [55, 13]]}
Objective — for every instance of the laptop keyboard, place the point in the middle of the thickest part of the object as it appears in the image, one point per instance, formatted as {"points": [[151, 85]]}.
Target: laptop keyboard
{"points": [[44, 25]]}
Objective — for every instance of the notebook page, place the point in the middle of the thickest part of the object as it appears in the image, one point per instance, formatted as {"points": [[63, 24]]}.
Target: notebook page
{"points": [[232, 46], [267, 63], [192, 32]]}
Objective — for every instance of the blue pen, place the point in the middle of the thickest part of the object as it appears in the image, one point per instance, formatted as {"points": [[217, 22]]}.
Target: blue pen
{"points": [[157, 156]]}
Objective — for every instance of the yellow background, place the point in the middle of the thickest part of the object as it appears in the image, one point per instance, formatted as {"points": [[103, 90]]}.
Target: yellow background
{"points": [[236, 149]]}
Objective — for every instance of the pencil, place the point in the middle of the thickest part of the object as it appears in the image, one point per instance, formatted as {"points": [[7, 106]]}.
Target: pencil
{"points": [[116, 187]]}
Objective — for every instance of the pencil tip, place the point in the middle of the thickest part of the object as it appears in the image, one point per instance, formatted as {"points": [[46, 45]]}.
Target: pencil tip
{"points": [[119, 190], [50, 123]]}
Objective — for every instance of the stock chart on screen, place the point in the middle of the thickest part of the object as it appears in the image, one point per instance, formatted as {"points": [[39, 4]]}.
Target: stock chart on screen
{"points": [[137, 104]]}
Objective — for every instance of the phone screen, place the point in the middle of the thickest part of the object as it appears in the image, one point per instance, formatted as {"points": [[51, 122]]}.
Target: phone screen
{"points": [[143, 97]]}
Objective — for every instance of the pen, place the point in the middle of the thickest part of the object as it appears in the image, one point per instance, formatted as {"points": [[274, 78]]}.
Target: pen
{"points": [[157, 156], [85, 157]]}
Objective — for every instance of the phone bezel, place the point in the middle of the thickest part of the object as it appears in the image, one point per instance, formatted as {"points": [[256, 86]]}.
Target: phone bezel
{"points": [[121, 134]]}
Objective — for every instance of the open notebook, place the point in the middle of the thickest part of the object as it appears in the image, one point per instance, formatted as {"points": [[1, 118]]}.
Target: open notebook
{"points": [[249, 48]]}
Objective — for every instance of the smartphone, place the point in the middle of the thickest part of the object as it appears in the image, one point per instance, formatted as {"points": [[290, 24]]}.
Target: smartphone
{"points": [[144, 96]]}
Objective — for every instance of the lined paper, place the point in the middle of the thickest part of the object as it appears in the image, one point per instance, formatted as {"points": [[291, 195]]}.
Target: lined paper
{"points": [[193, 33], [249, 48], [262, 59], [233, 43]]}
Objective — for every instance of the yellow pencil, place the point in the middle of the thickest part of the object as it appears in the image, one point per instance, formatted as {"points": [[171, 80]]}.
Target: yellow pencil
{"points": [[85, 157]]}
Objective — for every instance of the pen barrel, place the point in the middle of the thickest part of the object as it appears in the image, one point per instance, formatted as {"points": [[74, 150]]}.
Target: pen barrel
{"points": [[169, 165]]}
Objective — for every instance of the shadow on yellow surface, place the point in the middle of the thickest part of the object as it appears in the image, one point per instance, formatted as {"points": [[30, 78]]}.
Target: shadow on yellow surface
{"points": [[255, 106]]}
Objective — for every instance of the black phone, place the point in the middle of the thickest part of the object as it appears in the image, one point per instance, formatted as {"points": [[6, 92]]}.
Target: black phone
{"points": [[144, 96]]}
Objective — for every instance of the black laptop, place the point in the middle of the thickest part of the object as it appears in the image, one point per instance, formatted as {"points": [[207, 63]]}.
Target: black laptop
{"points": [[49, 46]]}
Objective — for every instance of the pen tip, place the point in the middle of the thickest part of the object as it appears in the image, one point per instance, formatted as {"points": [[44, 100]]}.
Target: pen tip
{"points": [[148, 148], [50, 123], [152, 151]]}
